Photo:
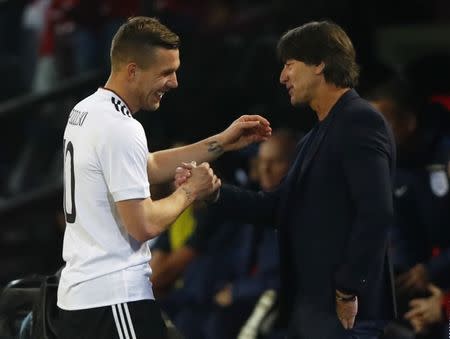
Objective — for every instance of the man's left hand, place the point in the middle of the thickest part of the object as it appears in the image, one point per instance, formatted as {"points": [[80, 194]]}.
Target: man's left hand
{"points": [[415, 279], [346, 310], [244, 131], [425, 312]]}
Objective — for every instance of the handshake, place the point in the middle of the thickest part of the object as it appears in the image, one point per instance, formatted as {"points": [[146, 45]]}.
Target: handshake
{"points": [[198, 182]]}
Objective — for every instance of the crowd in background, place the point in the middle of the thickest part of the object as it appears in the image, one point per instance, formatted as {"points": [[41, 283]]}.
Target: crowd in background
{"points": [[209, 275]]}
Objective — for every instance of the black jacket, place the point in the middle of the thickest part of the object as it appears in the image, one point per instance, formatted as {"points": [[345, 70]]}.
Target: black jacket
{"points": [[332, 211]]}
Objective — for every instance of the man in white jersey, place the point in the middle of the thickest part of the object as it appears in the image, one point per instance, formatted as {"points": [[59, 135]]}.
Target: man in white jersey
{"points": [[104, 291]]}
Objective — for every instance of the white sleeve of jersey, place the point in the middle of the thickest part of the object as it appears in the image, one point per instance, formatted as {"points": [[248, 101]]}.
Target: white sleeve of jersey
{"points": [[123, 158]]}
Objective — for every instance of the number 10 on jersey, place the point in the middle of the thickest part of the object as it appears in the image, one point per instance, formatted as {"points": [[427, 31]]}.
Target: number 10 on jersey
{"points": [[69, 183]]}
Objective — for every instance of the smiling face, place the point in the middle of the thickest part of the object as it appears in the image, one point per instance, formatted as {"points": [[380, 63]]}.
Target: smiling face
{"points": [[301, 80], [159, 77]]}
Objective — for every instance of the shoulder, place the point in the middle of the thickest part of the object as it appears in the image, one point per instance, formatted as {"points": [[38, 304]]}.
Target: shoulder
{"points": [[123, 133], [359, 123], [358, 112]]}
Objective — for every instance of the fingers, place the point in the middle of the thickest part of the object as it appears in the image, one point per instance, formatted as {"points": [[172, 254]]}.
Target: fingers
{"points": [[202, 178], [434, 290], [255, 117], [254, 131], [217, 183], [255, 124], [415, 303], [350, 322], [181, 171], [181, 176], [188, 165], [416, 278], [417, 324], [347, 323], [413, 313], [249, 124], [204, 165]]}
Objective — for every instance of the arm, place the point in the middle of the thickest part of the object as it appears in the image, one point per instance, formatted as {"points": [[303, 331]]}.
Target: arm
{"points": [[366, 162], [242, 132], [247, 206], [144, 219], [123, 157]]}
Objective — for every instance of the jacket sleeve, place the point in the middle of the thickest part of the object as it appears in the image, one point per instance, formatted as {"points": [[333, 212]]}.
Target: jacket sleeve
{"points": [[247, 206], [368, 155]]}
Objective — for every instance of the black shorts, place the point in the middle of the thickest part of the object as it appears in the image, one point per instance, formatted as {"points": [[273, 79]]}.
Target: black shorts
{"points": [[133, 320]]}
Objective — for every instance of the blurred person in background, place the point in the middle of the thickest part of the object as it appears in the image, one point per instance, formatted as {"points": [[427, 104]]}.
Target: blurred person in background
{"points": [[420, 235], [251, 266], [76, 37]]}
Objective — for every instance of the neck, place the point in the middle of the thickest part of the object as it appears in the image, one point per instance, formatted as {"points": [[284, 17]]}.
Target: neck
{"points": [[116, 84], [326, 97]]}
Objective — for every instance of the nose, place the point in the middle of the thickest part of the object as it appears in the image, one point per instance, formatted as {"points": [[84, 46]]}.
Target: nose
{"points": [[173, 81], [283, 76]]}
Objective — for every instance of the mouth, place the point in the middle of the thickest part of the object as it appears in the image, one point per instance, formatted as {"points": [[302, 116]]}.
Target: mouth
{"points": [[160, 94]]}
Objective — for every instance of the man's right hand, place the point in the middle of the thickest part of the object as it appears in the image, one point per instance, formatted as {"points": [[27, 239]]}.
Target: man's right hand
{"points": [[346, 309], [202, 181]]}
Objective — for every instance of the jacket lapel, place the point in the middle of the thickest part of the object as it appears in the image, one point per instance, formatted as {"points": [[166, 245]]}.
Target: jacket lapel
{"points": [[301, 164], [313, 148], [290, 179]]}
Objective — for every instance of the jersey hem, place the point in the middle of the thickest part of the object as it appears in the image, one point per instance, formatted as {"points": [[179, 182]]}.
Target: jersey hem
{"points": [[109, 303]]}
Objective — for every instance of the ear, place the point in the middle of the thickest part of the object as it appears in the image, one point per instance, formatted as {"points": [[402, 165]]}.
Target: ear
{"points": [[319, 68], [132, 70]]}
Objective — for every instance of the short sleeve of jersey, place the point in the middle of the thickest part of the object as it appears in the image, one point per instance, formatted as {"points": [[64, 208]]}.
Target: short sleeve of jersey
{"points": [[123, 158]]}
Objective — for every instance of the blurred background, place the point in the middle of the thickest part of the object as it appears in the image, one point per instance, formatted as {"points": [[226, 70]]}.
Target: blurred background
{"points": [[55, 52]]}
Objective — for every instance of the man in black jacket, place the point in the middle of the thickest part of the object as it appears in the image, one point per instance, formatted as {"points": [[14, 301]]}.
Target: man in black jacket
{"points": [[334, 207]]}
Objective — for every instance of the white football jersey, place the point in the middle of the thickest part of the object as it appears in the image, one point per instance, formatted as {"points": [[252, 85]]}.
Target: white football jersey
{"points": [[105, 161]]}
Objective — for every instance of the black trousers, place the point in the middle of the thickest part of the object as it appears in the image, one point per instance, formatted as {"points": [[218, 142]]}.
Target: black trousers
{"points": [[133, 320]]}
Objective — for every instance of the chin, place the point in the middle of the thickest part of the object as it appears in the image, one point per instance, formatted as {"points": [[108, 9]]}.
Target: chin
{"points": [[298, 102], [153, 107]]}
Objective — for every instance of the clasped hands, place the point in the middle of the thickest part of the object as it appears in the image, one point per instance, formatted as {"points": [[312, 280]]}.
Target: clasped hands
{"points": [[199, 182]]}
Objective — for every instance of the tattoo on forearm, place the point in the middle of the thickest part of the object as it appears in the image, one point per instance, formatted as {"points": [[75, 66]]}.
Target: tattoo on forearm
{"points": [[215, 147]]}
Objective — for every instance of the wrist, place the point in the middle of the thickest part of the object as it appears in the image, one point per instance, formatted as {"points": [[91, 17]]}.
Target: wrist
{"points": [[345, 297], [189, 194], [217, 145]]}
